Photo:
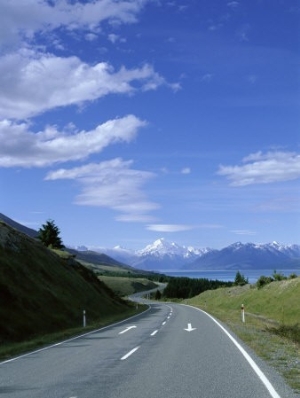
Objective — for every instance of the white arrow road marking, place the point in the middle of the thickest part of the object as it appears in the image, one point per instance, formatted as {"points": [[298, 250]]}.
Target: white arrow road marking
{"points": [[189, 328], [129, 353], [126, 330]]}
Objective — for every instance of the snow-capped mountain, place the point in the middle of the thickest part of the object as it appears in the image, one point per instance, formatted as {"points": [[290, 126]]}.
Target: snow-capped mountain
{"points": [[161, 248], [158, 256], [162, 255], [249, 255]]}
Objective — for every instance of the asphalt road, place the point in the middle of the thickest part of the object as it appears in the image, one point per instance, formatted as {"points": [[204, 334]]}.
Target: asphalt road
{"points": [[170, 351]]}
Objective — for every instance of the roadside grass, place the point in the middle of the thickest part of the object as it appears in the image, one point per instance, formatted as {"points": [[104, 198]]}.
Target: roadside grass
{"points": [[9, 350], [125, 286], [271, 327]]}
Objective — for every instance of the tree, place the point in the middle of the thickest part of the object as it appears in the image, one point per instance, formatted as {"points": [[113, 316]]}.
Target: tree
{"points": [[240, 279], [49, 235], [157, 295]]}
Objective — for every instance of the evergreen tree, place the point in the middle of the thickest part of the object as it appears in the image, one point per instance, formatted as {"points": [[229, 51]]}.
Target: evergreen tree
{"points": [[49, 235], [240, 279], [157, 295]]}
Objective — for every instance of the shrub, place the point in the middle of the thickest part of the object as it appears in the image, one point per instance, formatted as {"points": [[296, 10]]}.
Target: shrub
{"points": [[278, 276], [293, 276], [264, 280]]}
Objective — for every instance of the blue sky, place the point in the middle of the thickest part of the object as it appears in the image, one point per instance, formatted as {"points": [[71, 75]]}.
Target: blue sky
{"points": [[128, 121]]}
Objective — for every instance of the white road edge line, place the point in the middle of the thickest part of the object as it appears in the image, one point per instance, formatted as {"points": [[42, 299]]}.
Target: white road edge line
{"points": [[255, 367], [154, 333], [129, 353]]}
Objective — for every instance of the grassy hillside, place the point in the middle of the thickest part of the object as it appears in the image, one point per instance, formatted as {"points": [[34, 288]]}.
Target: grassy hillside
{"points": [[272, 321], [123, 286], [40, 292], [277, 301]]}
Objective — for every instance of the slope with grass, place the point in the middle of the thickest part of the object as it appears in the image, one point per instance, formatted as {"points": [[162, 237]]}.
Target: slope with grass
{"points": [[42, 293], [125, 286], [272, 321]]}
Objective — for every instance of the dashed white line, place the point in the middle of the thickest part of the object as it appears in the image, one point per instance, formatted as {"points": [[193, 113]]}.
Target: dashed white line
{"points": [[164, 323], [154, 333], [129, 353]]}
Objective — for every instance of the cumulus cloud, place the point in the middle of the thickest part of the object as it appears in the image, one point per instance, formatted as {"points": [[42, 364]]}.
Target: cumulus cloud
{"points": [[21, 147], [169, 227], [260, 168], [33, 83], [21, 20], [113, 184]]}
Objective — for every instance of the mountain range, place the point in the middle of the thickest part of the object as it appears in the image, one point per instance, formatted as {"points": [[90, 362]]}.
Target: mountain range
{"points": [[164, 256]]}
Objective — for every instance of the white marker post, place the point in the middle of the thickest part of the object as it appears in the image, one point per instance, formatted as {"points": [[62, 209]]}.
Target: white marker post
{"points": [[84, 319], [243, 313]]}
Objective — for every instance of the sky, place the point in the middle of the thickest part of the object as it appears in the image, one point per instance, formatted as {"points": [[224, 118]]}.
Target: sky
{"points": [[129, 121]]}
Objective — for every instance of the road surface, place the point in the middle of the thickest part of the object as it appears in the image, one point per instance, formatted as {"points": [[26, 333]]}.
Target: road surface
{"points": [[169, 351]]}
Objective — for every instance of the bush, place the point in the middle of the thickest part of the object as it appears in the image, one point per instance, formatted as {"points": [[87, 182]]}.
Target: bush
{"points": [[278, 276], [264, 280], [293, 276]]}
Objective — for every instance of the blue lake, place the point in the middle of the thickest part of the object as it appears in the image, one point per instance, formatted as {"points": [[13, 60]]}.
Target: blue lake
{"points": [[229, 275]]}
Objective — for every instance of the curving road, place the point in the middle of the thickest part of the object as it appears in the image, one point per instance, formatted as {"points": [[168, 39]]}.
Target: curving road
{"points": [[169, 351]]}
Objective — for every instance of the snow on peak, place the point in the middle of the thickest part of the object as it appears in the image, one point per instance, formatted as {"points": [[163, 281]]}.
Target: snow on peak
{"points": [[161, 248]]}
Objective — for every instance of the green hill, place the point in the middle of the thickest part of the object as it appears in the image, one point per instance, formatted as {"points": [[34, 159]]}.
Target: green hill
{"points": [[41, 293]]}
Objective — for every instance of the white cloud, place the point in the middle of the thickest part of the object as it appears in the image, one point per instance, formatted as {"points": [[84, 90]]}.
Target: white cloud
{"points": [[91, 37], [23, 19], [233, 4], [112, 37], [22, 147], [262, 168], [244, 232], [207, 77], [169, 227], [112, 184], [186, 170], [33, 83]]}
